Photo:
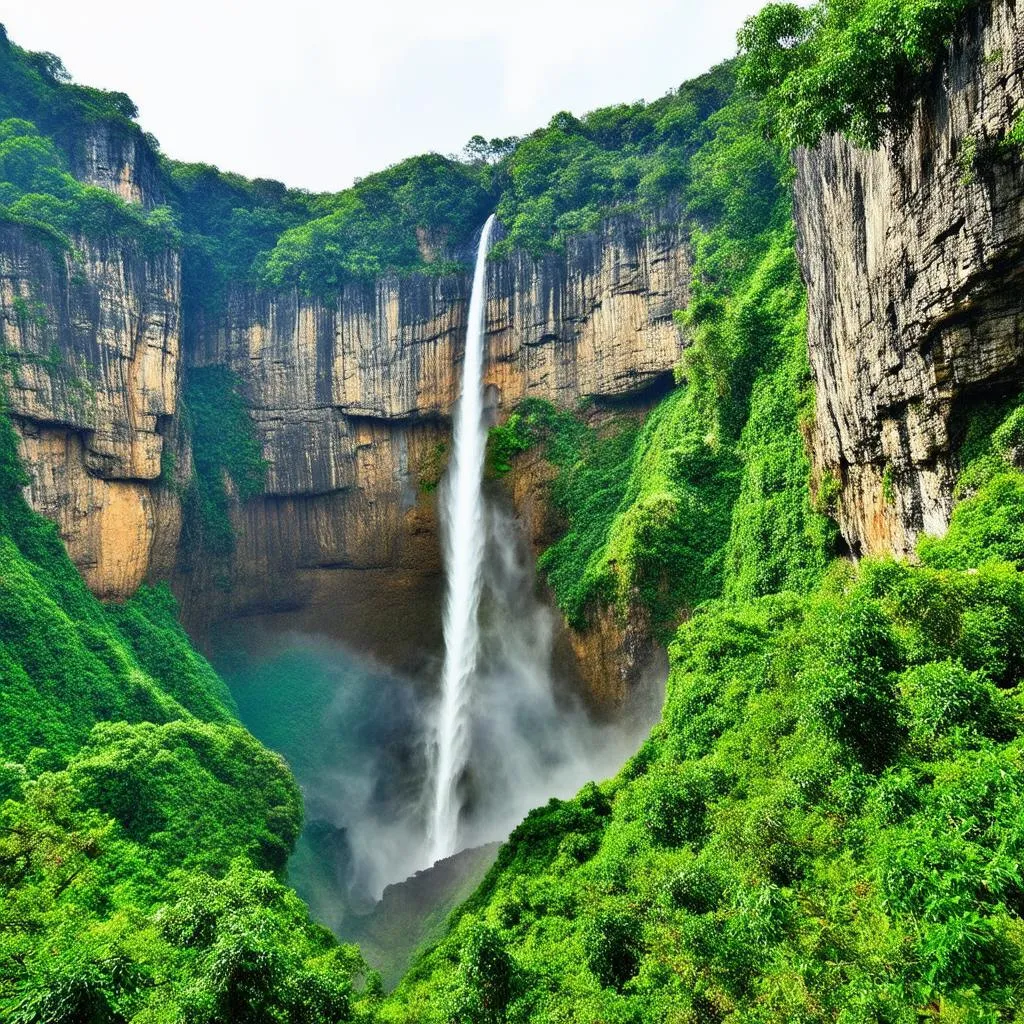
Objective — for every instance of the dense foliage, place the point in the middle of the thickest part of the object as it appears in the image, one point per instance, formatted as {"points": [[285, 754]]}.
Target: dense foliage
{"points": [[228, 224], [398, 219], [143, 831], [37, 87], [711, 495], [37, 190], [826, 825], [564, 178], [847, 66]]}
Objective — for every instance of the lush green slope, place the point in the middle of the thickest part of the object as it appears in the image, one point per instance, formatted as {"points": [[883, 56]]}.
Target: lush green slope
{"points": [[143, 831], [828, 823]]}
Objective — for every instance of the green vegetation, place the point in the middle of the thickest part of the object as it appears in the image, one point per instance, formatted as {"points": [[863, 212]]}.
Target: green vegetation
{"points": [[988, 526], [849, 66], [37, 190], [37, 87], [376, 226], [224, 445], [711, 495], [1014, 140], [594, 467], [824, 826], [143, 832], [228, 225], [565, 178]]}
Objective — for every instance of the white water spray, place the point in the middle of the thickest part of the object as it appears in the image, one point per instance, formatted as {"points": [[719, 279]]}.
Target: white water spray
{"points": [[464, 546]]}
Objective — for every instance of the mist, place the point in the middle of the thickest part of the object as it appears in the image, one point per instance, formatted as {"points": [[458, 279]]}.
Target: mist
{"points": [[358, 735]]}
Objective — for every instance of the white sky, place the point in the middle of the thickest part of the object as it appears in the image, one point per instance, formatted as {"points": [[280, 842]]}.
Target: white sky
{"points": [[316, 93]]}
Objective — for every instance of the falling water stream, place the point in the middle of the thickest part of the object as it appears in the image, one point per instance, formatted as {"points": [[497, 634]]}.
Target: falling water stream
{"points": [[397, 776], [464, 548]]}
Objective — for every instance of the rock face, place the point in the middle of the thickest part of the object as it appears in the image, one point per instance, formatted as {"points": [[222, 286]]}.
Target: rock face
{"points": [[914, 260], [90, 355], [352, 399], [121, 161]]}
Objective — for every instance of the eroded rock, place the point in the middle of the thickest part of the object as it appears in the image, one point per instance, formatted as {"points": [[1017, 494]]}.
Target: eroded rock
{"points": [[914, 260]]}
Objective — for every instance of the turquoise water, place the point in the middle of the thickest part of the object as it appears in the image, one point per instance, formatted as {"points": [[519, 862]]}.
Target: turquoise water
{"points": [[351, 731]]}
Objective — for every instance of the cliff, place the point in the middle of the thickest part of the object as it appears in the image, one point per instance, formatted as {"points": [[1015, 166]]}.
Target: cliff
{"points": [[121, 160], [351, 401], [91, 351], [914, 261]]}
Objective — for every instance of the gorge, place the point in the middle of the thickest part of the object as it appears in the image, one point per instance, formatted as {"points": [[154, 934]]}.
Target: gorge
{"points": [[727, 390]]}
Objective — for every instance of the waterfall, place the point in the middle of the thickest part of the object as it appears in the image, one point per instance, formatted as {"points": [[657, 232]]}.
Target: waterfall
{"points": [[463, 518]]}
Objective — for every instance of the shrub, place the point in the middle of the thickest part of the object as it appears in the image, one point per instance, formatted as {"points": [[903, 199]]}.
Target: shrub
{"points": [[843, 67], [613, 948]]}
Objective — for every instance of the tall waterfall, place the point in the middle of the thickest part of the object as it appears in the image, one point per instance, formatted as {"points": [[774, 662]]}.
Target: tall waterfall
{"points": [[464, 545]]}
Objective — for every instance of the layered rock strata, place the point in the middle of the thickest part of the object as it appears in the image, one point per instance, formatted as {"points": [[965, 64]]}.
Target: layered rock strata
{"points": [[90, 352], [914, 260], [351, 400]]}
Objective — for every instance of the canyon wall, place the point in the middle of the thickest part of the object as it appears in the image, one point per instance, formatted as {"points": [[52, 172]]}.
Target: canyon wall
{"points": [[352, 400], [913, 256], [90, 356]]}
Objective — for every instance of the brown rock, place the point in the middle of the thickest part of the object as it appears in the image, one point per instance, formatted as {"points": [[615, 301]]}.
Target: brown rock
{"points": [[914, 260], [91, 349]]}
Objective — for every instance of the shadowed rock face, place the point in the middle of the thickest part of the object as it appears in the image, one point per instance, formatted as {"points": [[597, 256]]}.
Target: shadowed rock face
{"points": [[121, 161], [914, 260]]}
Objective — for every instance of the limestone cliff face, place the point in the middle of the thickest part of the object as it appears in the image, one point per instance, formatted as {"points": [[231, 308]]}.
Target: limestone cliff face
{"points": [[595, 321], [120, 160], [352, 399], [914, 261], [90, 354]]}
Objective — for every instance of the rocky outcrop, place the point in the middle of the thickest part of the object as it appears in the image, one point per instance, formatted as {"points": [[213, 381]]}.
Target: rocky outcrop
{"points": [[121, 160], [914, 260], [90, 354]]}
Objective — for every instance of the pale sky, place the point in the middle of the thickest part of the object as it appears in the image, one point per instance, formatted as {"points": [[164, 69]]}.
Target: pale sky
{"points": [[315, 93]]}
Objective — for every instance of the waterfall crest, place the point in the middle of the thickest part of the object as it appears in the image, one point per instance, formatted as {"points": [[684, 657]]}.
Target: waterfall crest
{"points": [[463, 520]]}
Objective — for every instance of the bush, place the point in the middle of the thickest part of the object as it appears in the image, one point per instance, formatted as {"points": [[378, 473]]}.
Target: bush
{"points": [[943, 696], [613, 948], [843, 67]]}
